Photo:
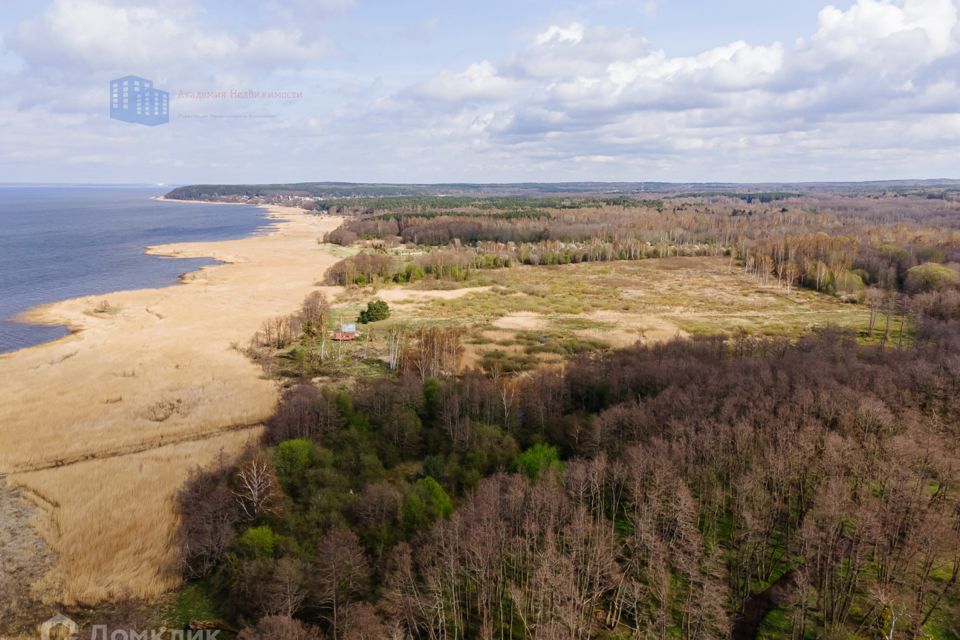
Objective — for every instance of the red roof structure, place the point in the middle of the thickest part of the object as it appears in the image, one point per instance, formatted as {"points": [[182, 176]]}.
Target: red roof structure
{"points": [[347, 332]]}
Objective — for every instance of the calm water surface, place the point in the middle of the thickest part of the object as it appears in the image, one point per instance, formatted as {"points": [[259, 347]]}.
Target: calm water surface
{"points": [[63, 242]]}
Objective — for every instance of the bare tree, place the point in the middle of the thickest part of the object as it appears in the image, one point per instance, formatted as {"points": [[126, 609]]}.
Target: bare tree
{"points": [[286, 590], [341, 573], [256, 489], [208, 515]]}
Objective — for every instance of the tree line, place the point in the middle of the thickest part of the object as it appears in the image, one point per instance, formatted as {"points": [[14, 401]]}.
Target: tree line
{"points": [[835, 245]]}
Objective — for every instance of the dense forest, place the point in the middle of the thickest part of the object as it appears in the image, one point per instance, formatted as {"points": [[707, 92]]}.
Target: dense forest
{"points": [[658, 491], [708, 487]]}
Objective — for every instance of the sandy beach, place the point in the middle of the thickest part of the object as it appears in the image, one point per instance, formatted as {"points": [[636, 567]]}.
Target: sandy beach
{"points": [[101, 428]]}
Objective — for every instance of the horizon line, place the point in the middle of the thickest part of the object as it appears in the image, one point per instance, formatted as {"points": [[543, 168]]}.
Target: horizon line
{"points": [[481, 183]]}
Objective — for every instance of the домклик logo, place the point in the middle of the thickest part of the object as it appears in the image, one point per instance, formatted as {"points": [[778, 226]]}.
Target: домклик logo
{"points": [[59, 627]]}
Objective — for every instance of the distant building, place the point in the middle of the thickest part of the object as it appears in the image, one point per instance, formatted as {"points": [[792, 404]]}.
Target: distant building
{"points": [[346, 332], [134, 99]]}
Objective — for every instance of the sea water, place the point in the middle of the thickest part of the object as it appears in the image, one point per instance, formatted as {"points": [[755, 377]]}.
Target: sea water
{"points": [[59, 242]]}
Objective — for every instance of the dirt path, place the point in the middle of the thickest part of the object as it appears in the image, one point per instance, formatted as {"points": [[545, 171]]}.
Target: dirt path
{"points": [[149, 386]]}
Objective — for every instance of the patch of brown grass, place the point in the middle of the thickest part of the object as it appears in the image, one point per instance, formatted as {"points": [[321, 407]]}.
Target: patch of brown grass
{"points": [[111, 521]]}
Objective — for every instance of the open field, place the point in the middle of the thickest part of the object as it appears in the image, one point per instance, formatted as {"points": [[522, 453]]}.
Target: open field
{"points": [[104, 424], [542, 314], [668, 296]]}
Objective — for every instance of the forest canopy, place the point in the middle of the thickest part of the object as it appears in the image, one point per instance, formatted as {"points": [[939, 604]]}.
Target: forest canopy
{"points": [[708, 486], [649, 492]]}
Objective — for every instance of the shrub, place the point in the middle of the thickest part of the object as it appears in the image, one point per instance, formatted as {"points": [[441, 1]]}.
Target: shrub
{"points": [[942, 305], [360, 269], [537, 460], [291, 459], [260, 541], [931, 276], [195, 601], [849, 282], [376, 310], [343, 237], [425, 503]]}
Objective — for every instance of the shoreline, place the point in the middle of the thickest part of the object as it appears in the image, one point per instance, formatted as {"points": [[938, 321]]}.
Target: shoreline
{"points": [[105, 423], [43, 314], [166, 199]]}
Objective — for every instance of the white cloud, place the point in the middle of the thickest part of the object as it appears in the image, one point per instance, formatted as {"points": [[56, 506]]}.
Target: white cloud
{"points": [[89, 35], [91, 32], [914, 30], [582, 52], [879, 78], [572, 34], [734, 66], [479, 81], [871, 91], [276, 47]]}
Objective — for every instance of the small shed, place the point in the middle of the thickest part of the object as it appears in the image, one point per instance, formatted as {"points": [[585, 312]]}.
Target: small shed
{"points": [[346, 332]]}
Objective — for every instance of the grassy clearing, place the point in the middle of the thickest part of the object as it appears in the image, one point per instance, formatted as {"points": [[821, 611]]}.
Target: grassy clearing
{"points": [[339, 251], [524, 316], [698, 295]]}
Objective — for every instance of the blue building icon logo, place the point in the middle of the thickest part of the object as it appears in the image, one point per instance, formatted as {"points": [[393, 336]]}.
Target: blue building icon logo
{"points": [[134, 99]]}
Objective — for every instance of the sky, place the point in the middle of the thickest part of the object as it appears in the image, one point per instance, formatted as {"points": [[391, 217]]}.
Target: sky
{"points": [[495, 91]]}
